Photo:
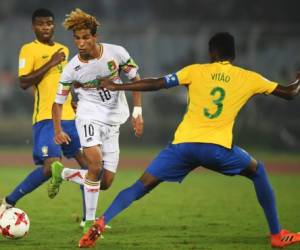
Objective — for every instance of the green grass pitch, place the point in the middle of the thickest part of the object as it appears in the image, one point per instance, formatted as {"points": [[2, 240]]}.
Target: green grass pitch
{"points": [[206, 211]]}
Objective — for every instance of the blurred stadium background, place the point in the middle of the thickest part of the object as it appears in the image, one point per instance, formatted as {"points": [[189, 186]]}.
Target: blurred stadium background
{"points": [[164, 36]]}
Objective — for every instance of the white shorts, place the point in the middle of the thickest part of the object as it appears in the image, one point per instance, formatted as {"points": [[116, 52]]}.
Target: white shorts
{"points": [[92, 133]]}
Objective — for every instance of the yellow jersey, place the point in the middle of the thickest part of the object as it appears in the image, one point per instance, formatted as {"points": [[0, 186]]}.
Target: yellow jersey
{"points": [[216, 93], [33, 56]]}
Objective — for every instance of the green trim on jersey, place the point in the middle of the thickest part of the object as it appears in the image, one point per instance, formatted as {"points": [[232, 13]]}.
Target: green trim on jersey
{"points": [[66, 83], [130, 63], [37, 103], [91, 84]]}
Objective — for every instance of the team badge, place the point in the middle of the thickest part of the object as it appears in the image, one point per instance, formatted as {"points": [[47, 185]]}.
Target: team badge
{"points": [[112, 66], [45, 151]]}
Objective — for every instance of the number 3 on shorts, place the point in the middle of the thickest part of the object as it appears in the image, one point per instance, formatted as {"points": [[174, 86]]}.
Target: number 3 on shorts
{"points": [[220, 94]]}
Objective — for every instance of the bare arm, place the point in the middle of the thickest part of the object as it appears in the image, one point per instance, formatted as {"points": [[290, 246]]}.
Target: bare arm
{"points": [[60, 136], [290, 91], [136, 95], [36, 76], [150, 84], [137, 118], [287, 92]]}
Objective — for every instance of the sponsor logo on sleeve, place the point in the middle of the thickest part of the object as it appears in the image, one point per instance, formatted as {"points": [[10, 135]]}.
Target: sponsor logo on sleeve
{"points": [[22, 62]]}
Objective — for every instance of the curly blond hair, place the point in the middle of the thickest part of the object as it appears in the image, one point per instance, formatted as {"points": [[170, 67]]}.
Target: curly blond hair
{"points": [[79, 19]]}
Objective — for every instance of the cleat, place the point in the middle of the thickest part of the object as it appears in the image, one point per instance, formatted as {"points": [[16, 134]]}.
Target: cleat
{"points": [[87, 225], [4, 206], [284, 238], [282, 231], [82, 224], [94, 232], [55, 180]]}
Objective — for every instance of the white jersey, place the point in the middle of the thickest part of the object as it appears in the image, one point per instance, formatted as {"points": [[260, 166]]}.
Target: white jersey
{"points": [[94, 103]]}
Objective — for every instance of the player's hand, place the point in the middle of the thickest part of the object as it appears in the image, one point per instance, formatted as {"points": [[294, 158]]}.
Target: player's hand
{"points": [[62, 138], [108, 84], [58, 57], [297, 90], [138, 125]]}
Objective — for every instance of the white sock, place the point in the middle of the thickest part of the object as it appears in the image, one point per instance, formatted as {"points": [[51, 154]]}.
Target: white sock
{"points": [[75, 175], [91, 193]]}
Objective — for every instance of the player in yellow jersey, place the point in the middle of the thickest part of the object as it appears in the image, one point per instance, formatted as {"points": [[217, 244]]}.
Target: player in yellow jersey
{"points": [[216, 92], [40, 66]]}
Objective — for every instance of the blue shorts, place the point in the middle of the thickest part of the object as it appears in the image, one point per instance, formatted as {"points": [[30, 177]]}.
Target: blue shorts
{"points": [[43, 143], [175, 161]]}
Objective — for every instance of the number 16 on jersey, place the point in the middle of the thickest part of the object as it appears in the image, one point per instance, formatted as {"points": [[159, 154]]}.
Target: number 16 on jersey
{"points": [[104, 94]]}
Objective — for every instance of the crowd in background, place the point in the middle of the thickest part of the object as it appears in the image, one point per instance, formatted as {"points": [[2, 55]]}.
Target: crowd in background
{"points": [[164, 36]]}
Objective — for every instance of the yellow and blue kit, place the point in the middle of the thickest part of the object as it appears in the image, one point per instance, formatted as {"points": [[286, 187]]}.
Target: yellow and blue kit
{"points": [[33, 56], [216, 93]]}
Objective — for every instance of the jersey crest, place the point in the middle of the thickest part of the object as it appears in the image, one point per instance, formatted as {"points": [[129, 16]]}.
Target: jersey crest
{"points": [[112, 66]]}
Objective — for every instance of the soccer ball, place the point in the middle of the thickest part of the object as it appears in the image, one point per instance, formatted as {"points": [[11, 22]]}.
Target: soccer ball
{"points": [[14, 223]]}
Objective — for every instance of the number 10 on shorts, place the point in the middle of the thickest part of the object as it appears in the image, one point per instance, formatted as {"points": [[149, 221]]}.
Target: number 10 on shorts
{"points": [[88, 130]]}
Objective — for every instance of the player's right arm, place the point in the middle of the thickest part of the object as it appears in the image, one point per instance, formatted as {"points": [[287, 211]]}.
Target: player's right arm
{"points": [[27, 75], [64, 88], [290, 91], [60, 136]]}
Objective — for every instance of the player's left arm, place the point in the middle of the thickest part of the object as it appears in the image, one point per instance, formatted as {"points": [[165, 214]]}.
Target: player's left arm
{"points": [[260, 85], [290, 91]]}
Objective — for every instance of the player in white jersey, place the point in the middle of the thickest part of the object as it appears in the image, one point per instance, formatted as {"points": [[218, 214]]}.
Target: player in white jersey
{"points": [[96, 103], [99, 112]]}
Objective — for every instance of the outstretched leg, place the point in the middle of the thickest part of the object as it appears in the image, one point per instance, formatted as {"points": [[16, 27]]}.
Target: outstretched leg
{"points": [[265, 195], [36, 178], [141, 187], [124, 199], [279, 237], [172, 164]]}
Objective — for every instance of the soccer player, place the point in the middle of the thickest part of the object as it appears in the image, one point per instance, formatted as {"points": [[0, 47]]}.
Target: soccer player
{"points": [[217, 91], [40, 65], [100, 112]]}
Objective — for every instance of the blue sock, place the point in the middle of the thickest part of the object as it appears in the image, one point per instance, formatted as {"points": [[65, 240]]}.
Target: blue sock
{"points": [[266, 197], [32, 181], [124, 199]]}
